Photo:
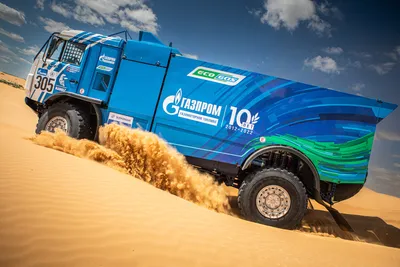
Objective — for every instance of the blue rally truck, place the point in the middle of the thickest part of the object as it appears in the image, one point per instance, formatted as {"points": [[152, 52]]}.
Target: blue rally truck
{"points": [[280, 142]]}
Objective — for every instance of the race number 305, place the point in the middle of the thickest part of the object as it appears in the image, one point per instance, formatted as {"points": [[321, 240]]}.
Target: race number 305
{"points": [[44, 83]]}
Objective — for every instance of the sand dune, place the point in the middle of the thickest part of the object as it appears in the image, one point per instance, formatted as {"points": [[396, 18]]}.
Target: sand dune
{"points": [[57, 209]]}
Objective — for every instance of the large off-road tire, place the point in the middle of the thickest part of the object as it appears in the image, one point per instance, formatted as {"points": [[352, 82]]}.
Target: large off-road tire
{"points": [[273, 197], [71, 118]]}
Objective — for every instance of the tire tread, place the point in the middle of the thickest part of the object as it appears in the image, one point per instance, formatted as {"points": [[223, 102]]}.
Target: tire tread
{"points": [[251, 179]]}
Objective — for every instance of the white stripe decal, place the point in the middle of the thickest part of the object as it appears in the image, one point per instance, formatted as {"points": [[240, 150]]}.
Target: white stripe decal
{"points": [[36, 94], [54, 66], [100, 41], [42, 98], [89, 37], [63, 68]]}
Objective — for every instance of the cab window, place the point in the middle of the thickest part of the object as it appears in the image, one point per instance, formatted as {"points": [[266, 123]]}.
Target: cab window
{"points": [[66, 51], [55, 49]]}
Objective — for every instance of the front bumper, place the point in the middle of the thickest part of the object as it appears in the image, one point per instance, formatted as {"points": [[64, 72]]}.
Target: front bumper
{"points": [[35, 106]]}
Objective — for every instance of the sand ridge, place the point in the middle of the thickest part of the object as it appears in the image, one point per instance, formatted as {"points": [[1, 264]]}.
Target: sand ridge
{"points": [[57, 209]]}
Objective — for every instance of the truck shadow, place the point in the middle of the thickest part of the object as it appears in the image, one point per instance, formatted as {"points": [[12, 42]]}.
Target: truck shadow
{"points": [[367, 229]]}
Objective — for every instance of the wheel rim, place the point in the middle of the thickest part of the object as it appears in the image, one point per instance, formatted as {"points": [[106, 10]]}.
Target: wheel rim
{"points": [[273, 202], [57, 122]]}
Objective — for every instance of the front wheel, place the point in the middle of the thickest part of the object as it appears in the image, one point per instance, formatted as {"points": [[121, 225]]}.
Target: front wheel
{"points": [[273, 197], [73, 119]]}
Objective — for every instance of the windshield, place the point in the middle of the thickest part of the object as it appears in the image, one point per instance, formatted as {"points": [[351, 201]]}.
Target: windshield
{"points": [[55, 48]]}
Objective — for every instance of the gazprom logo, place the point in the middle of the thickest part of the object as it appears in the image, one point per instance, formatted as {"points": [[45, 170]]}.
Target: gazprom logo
{"points": [[174, 100], [192, 109], [42, 72], [107, 59], [216, 76], [178, 97]]}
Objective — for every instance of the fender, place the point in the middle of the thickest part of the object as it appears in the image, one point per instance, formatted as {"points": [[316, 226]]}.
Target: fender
{"points": [[340, 220], [292, 150], [74, 95]]}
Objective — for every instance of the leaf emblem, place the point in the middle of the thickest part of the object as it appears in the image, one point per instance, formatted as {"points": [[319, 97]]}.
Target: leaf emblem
{"points": [[255, 118]]}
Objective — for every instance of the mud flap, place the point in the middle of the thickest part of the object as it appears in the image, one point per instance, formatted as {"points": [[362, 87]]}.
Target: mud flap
{"points": [[339, 219]]}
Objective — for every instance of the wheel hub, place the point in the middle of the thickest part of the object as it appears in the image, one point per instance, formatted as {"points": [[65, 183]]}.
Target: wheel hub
{"points": [[273, 202], [57, 122]]}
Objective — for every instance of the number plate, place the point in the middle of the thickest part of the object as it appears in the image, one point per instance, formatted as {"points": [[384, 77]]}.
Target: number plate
{"points": [[44, 83]]}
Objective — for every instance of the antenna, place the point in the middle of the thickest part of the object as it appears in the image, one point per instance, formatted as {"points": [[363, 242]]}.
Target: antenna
{"points": [[125, 32]]}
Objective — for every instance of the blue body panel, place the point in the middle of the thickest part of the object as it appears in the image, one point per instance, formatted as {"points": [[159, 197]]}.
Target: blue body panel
{"points": [[224, 114], [136, 91]]}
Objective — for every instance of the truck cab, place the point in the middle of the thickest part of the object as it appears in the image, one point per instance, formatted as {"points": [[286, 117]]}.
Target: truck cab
{"points": [[75, 63]]}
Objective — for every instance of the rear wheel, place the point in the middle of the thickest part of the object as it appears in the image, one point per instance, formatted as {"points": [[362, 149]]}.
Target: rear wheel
{"points": [[273, 197], [73, 119]]}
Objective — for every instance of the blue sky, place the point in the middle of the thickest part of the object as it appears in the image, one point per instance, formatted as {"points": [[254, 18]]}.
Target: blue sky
{"points": [[351, 46]]}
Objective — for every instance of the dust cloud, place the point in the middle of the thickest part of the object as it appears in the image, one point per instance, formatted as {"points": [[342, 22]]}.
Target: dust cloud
{"points": [[145, 156]]}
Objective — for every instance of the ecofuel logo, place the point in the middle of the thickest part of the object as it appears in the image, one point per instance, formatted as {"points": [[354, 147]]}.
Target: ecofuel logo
{"points": [[216, 76], [192, 109]]}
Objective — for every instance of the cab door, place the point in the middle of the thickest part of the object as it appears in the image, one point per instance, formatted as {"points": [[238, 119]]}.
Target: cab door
{"points": [[100, 72]]}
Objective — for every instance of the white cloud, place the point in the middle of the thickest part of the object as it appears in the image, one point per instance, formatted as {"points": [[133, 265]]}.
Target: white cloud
{"points": [[396, 155], [395, 54], [62, 9], [364, 55], [40, 4], [324, 64], [12, 15], [86, 15], [133, 15], [5, 50], [333, 50], [6, 59], [357, 87], [396, 164], [191, 56], [290, 13], [12, 35], [255, 12], [384, 174], [320, 26], [8, 55], [287, 14], [392, 55], [80, 13], [53, 26], [29, 51], [383, 68], [24, 60], [355, 64], [328, 10], [389, 136]]}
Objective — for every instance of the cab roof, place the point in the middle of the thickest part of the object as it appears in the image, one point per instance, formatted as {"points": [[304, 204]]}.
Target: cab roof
{"points": [[91, 38], [94, 38]]}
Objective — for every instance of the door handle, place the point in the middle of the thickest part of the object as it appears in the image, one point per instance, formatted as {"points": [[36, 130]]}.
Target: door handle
{"points": [[73, 81]]}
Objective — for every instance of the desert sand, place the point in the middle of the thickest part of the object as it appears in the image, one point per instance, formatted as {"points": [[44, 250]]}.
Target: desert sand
{"points": [[58, 209], [11, 78]]}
